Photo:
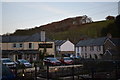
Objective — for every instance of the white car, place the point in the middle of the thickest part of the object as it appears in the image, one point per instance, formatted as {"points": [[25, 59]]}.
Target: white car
{"points": [[8, 62], [24, 62]]}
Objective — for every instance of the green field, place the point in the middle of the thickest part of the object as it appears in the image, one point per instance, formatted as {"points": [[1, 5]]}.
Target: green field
{"points": [[73, 32]]}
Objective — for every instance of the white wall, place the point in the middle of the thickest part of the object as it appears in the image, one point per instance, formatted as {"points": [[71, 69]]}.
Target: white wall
{"points": [[78, 52], [67, 46], [88, 52]]}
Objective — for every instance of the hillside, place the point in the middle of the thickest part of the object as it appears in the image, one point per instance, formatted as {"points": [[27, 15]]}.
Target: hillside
{"points": [[70, 28]]}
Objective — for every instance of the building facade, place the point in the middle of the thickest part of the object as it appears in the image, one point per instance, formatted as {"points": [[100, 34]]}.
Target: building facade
{"points": [[99, 48], [64, 47], [112, 49], [91, 48], [26, 47]]}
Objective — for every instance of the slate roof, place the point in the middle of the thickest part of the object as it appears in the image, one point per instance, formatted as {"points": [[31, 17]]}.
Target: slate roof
{"points": [[116, 41], [33, 38], [59, 42], [92, 42], [36, 38], [14, 38]]}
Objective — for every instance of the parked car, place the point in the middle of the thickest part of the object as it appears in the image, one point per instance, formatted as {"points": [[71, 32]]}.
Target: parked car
{"points": [[24, 62], [75, 57], [66, 60], [51, 61], [7, 74], [8, 62]]}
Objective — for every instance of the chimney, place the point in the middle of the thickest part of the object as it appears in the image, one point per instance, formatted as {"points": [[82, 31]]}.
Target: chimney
{"points": [[109, 35], [42, 36]]}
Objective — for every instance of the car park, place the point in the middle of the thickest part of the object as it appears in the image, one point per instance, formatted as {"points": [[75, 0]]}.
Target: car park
{"points": [[8, 62], [24, 62], [66, 60], [51, 61]]}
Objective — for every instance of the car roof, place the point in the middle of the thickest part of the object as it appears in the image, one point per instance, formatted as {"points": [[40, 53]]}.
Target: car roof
{"points": [[66, 57], [20, 59], [5, 58], [50, 57]]}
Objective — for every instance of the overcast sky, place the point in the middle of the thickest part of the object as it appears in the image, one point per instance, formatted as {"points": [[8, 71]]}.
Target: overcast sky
{"points": [[22, 15]]}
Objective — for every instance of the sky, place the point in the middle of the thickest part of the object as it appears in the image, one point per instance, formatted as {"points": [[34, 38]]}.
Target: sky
{"points": [[24, 15]]}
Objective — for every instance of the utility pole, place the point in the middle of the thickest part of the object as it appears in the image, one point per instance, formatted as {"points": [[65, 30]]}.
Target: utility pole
{"points": [[35, 72], [47, 72], [73, 70]]}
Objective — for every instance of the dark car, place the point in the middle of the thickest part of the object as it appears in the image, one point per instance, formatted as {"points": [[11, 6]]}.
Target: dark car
{"points": [[7, 74], [51, 61], [66, 60], [8, 62], [24, 62]]}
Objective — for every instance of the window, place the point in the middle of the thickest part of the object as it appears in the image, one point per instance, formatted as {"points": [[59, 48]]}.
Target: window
{"points": [[21, 45], [91, 48], [82, 48], [90, 56], [27, 55], [98, 48], [78, 54], [85, 48], [85, 55], [78, 49], [14, 45], [30, 45], [96, 57]]}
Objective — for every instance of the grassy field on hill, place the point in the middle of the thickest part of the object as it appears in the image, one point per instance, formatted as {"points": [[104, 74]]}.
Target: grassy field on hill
{"points": [[73, 33], [88, 30]]}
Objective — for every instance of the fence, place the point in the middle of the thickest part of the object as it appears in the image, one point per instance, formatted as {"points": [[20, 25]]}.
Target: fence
{"points": [[87, 69], [92, 69]]}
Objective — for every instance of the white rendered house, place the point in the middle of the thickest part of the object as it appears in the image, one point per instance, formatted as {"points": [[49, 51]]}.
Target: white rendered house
{"points": [[64, 47]]}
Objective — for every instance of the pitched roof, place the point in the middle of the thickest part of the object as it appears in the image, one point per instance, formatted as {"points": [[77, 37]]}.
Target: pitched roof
{"points": [[112, 52], [36, 38], [91, 42], [33, 38], [14, 38], [116, 41], [59, 42]]}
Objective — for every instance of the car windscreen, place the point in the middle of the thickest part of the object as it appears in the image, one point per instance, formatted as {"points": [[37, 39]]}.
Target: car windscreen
{"points": [[23, 61], [67, 59], [52, 59]]}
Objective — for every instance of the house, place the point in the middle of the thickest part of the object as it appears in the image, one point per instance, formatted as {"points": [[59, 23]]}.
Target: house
{"points": [[26, 47], [64, 47], [91, 48], [112, 49]]}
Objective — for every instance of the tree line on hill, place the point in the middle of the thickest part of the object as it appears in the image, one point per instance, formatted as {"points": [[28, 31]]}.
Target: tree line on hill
{"points": [[71, 29], [113, 28]]}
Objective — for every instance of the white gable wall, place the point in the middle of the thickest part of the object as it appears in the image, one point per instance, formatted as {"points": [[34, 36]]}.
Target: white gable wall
{"points": [[67, 46]]}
